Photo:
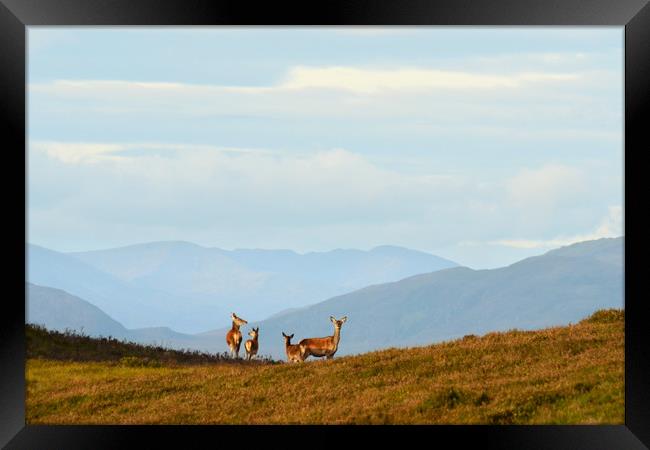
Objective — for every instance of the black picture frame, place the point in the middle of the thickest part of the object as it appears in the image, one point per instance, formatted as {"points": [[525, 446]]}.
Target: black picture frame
{"points": [[16, 15]]}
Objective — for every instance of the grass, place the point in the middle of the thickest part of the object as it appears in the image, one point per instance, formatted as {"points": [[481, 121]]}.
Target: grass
{"points": [[561, 375], [72, 346]]}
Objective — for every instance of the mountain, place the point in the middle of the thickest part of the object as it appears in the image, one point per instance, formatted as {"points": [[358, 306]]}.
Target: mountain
{"points": [[133, 305], [556, 288], [57, 310], [254, 283]]}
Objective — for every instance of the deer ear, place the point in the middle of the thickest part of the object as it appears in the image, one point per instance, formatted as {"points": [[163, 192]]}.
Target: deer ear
{"points": [[344, 319], [284, 334], [332, 319], [291, 336]]}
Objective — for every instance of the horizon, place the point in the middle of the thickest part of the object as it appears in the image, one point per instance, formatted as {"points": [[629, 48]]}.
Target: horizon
{"points": [[299, 253], [279, 310]]}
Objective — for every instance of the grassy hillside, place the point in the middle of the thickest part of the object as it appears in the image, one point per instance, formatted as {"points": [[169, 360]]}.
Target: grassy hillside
{"points": [[572, 374], [72, 346]]}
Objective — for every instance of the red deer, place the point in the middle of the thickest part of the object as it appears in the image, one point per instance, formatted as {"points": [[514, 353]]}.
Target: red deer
{"points": [[325, 346], [233, 338], [252, 345], [293, 351]]}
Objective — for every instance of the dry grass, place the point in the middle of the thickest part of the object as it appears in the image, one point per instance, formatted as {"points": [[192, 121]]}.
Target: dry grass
{"points": [[563, 375], [72, 346]]}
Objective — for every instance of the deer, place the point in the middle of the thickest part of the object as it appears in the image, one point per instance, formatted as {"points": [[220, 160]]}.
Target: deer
{"points": [[325, 346], [252, 345], [233, 337], [293, 351]]}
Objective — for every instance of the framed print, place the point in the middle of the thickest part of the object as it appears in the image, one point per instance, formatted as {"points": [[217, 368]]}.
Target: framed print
{"points": [[356, 218]]}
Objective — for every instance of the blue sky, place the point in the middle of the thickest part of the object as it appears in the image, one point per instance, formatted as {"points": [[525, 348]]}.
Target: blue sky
{"points": [[482, 145]]}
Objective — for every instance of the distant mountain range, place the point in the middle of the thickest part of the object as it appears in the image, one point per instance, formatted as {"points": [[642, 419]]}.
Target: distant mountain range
{"points": [[192, 288], [131, 305], [559, 287]]}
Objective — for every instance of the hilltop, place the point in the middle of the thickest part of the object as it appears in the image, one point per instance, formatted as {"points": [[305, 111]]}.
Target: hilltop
{"points": [[571, 374]]}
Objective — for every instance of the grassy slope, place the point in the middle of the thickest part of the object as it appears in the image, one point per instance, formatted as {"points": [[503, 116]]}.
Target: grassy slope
{"points": [[70, 346], [571, 374]]}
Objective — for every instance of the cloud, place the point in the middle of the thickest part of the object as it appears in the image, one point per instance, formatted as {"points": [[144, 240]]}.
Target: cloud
{"points": [[79, 152], [357, 80], [83, 153], [610, 226], [151, 183], [370, 81], [97, 194], [411, 102], [546, 187]]}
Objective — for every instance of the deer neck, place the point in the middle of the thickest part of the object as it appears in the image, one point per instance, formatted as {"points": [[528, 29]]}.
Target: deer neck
{"points": [[337, 337], [235, 327]]}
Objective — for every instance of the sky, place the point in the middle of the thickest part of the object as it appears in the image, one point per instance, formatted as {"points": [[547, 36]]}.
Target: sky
{"points": [[480, 145]]}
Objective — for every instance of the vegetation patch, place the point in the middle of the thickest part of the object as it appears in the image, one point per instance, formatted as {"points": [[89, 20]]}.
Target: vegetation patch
{"points": [[72, 346], [560, 375], [606, 316]]}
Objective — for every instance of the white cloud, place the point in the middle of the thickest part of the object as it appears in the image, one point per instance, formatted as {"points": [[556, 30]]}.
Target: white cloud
{"points": [[83, 153], [610, 226], [153, 182], [546, 187], [370, 81], [100, 192], [528, 105], [79, 152], [357, 80]]}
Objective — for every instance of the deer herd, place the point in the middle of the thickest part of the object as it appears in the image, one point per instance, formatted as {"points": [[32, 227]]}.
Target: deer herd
{"points": [[317, 347]]}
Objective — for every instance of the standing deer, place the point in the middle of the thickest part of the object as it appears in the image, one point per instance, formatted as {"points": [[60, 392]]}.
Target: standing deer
{"points": [[252, 345], [293, 351], [325, 346], [233, 338]]}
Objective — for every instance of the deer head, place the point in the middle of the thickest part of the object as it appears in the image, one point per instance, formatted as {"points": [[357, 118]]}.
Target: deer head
{"points": [[254, 332], [338, 323], [238, 320], [287, 339]]}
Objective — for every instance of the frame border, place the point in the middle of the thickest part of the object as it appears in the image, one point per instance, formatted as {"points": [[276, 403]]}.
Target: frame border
{"points": [[634, 15]]}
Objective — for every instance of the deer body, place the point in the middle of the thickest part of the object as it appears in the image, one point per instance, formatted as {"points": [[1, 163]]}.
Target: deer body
{"points": [[293, 351], [325, 346], [233, 337], [252, 345]]}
